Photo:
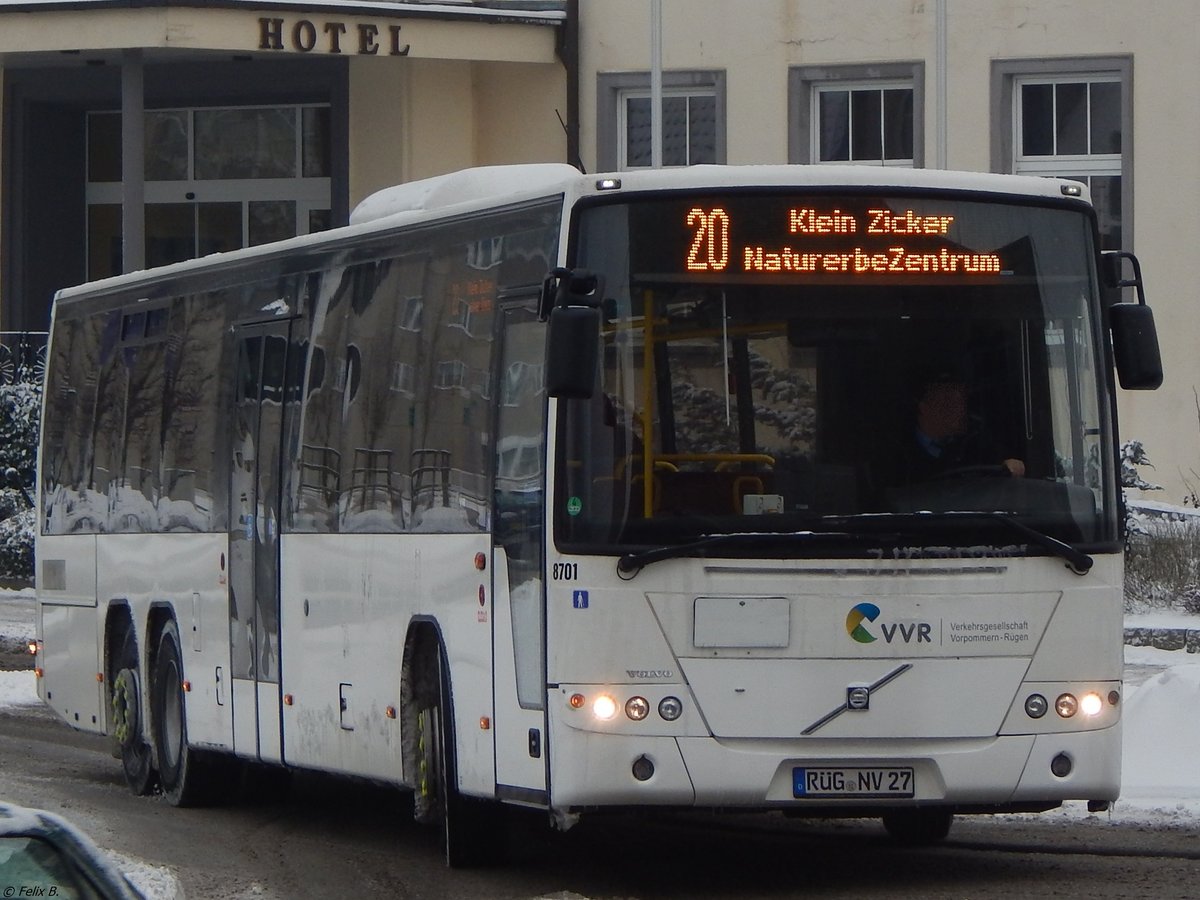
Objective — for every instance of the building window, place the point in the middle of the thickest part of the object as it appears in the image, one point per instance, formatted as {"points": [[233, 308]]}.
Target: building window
{"points": [[463, 316], [1069, 119], [414, 312], [1071, 127], [865, 115], [689, 129], [451, 374], [404, 378], [864, 124], [693, 119], [217, 179]]}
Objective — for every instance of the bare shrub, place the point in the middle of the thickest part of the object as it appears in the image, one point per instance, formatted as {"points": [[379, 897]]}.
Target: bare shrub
{"points": [[1162, 568]]}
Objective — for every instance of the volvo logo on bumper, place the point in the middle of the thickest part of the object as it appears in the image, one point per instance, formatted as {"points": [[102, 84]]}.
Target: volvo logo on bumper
{"points": [[858, 696]]}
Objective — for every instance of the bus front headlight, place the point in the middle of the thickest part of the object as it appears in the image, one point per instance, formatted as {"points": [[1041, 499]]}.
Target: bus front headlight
{"points": [[604, 707], [1066, 705]]}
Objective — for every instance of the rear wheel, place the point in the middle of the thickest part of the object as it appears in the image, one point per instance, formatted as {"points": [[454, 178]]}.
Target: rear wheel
{"points": [[126, 722], [185, 774], [918, 827]]}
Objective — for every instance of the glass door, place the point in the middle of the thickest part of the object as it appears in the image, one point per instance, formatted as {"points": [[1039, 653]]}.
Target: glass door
{"points": [[217, 179]]}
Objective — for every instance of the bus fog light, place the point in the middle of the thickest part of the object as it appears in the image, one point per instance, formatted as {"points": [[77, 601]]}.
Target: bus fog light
{"points": [[643, 768], [670, 708], [1036, 706], [1061, 765], [637, 708], [604, 707], [1091, 704], [1066, 705]]}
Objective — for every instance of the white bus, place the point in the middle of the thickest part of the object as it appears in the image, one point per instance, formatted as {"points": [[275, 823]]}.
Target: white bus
{"points": [[589, 493]]}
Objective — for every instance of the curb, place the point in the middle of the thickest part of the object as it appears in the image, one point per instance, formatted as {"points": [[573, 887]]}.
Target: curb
{"points": [[1187, 639]]}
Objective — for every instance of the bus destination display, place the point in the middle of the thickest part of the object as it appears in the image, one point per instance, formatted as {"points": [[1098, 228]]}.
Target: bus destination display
{"points": [[828, 240]]}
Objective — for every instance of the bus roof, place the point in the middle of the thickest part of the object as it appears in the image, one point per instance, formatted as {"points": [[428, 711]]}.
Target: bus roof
{"points": [[489, 186]]}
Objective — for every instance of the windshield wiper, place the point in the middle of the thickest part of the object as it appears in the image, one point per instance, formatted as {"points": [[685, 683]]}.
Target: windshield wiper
{"points": [[1077, 561], [633, 562]]}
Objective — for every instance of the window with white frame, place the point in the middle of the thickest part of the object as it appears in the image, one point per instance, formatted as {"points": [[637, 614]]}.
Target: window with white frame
{"points": [[857, 114], [1070, 126], [520, 381], [414, 313], [463, 316], [404, 377], [866, 123], [689, 129], [450, 374], [693, 119]]}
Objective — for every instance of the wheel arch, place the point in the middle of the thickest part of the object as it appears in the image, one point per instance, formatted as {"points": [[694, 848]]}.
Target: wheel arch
{"points": [[421, 671], [160, 613], [121, 650], [119, 636]]}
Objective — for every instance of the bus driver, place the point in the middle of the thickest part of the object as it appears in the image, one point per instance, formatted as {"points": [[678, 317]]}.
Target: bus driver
{"points": [[946, 438]]}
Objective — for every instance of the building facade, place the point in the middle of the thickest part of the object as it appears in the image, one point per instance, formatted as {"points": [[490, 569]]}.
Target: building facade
{"points": [[134, 134], [1095, 91], [230, 122]]}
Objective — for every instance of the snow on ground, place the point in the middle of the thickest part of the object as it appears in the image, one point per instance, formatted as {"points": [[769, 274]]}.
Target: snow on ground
{"points": [[1160, 783]]}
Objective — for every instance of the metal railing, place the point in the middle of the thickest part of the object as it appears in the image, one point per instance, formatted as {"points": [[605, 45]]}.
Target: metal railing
{"points": [[22, 356]]}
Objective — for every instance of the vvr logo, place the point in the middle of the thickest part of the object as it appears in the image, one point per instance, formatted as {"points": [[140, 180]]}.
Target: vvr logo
{"points": [[854, 622], [908, 632]]}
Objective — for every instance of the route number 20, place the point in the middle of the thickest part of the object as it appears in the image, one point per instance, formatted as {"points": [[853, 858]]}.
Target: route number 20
{"points": [[709, 251]]}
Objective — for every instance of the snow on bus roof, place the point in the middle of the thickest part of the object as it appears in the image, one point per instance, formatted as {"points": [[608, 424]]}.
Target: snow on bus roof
{"points": [[488, 185], [473, 185], [464, 186]]}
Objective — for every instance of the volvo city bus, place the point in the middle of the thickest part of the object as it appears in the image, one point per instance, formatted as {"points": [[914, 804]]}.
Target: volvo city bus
{"points": [[586, 494]]}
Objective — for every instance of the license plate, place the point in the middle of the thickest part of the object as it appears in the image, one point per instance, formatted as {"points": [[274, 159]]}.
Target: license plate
{"points": [[852, 781]]}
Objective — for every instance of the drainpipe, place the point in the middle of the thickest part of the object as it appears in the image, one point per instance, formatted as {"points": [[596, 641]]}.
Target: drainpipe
{"points": [[568, 52]]}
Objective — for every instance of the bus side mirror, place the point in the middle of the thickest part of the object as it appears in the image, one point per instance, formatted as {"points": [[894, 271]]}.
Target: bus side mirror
{"points": [[1134, 337], [1135, 347], [572, 352], [571, 302]]}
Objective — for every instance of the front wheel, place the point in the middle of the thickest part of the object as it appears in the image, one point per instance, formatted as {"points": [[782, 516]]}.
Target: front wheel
{"points": [[472, 830], [183, 772], [918, 827]]}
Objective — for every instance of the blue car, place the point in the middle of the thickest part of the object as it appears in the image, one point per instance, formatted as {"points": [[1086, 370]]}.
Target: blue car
{"points": [[43, 855]]}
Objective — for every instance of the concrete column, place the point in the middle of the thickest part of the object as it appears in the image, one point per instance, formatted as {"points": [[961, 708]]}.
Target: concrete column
{"points": [[133, 162]]}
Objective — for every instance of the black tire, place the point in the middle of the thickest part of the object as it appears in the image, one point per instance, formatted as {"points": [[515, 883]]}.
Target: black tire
{"points": [[184, 774], [125, 704], [918, 827], [472, 830]]}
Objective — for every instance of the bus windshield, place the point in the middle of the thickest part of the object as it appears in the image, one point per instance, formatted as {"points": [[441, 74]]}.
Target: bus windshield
{"points": [[838, 374]]}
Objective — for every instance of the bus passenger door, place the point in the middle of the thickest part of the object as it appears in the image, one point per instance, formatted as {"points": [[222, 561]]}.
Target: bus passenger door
{"points": [[255, 486], [518, 564]]}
